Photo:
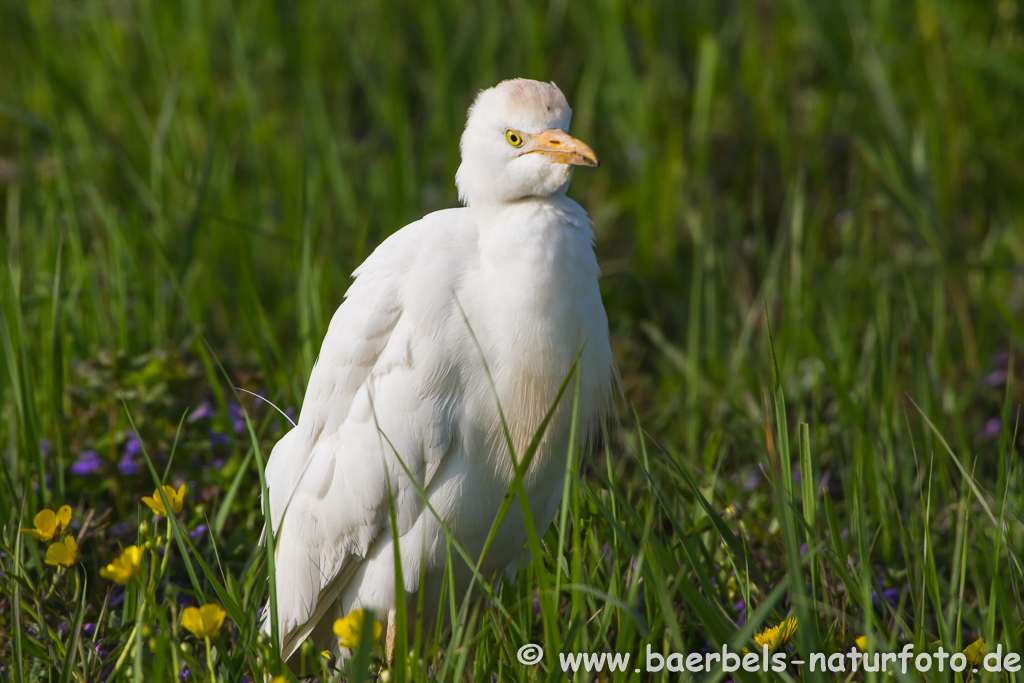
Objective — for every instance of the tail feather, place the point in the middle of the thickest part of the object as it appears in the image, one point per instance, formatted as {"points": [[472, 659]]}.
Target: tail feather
{"points": [[292, 639]]}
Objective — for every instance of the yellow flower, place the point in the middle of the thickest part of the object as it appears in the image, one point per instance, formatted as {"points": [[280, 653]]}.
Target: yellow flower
{"points": [[349, 629], [861, 642], [279, 679], [975, 651], [50, 524], [124, 566], [64, 554], [175, 498], [776, 636], [203, 622]]}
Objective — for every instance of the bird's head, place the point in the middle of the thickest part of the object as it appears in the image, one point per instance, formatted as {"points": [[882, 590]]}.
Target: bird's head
{"points": [[515, 144]]}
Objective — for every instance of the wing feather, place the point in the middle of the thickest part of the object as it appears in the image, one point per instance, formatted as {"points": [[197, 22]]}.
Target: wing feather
{"points": [[377, 410]]}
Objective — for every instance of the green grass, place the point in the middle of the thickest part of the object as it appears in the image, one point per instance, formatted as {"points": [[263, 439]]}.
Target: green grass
{"points": [[810, 217]]}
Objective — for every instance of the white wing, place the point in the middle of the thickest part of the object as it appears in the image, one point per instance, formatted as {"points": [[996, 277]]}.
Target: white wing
{"points": [[379, 395]]}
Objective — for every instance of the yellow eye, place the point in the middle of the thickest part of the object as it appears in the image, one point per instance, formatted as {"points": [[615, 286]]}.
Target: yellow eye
{"points": [[514, 138]]}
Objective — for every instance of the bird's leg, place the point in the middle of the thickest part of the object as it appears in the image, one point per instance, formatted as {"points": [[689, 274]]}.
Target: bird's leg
{"points": [[389, 643]]}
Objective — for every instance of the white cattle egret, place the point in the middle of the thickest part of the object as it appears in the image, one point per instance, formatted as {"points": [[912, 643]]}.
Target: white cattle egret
{"points": [[451, 317]]}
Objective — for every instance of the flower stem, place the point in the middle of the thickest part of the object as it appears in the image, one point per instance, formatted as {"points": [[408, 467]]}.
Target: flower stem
{"points": [[209, 659], [167, 548], [151, 588], [124, 652]]}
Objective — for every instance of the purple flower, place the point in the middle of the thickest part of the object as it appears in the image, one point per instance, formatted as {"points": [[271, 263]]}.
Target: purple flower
{"points": [[991, 429], [890, 595], [121, 531], [217, 439], [995, 379], [237, 416], [197, 533], [132, 446], [740, 605], [89, 628], [998, 376], [87, 463], [290, 412], [185, 673], [127, 464], [202, 412], [44, 447]]}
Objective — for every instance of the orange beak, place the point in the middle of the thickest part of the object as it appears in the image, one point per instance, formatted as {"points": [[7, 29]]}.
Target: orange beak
{"points": [[562, 148]]}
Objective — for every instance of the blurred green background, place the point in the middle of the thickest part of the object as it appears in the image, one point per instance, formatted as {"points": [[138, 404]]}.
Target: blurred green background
{"points": [[223, 167], [851, 172]]}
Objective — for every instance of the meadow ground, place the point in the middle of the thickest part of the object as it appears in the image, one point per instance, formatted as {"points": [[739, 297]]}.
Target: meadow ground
{"points": [[810, 218]]}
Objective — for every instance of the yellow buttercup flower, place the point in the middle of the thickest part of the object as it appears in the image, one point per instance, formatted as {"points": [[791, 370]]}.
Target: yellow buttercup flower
{"points": [[175, 498], [861, 642], [975, 652], [50, 524], [124, 566], [64, 554], [205, 621], [349, 629], [776, 636]]}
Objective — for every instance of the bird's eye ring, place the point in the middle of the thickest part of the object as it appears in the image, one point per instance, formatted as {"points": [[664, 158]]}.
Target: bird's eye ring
{"points": [[514, 138]]}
